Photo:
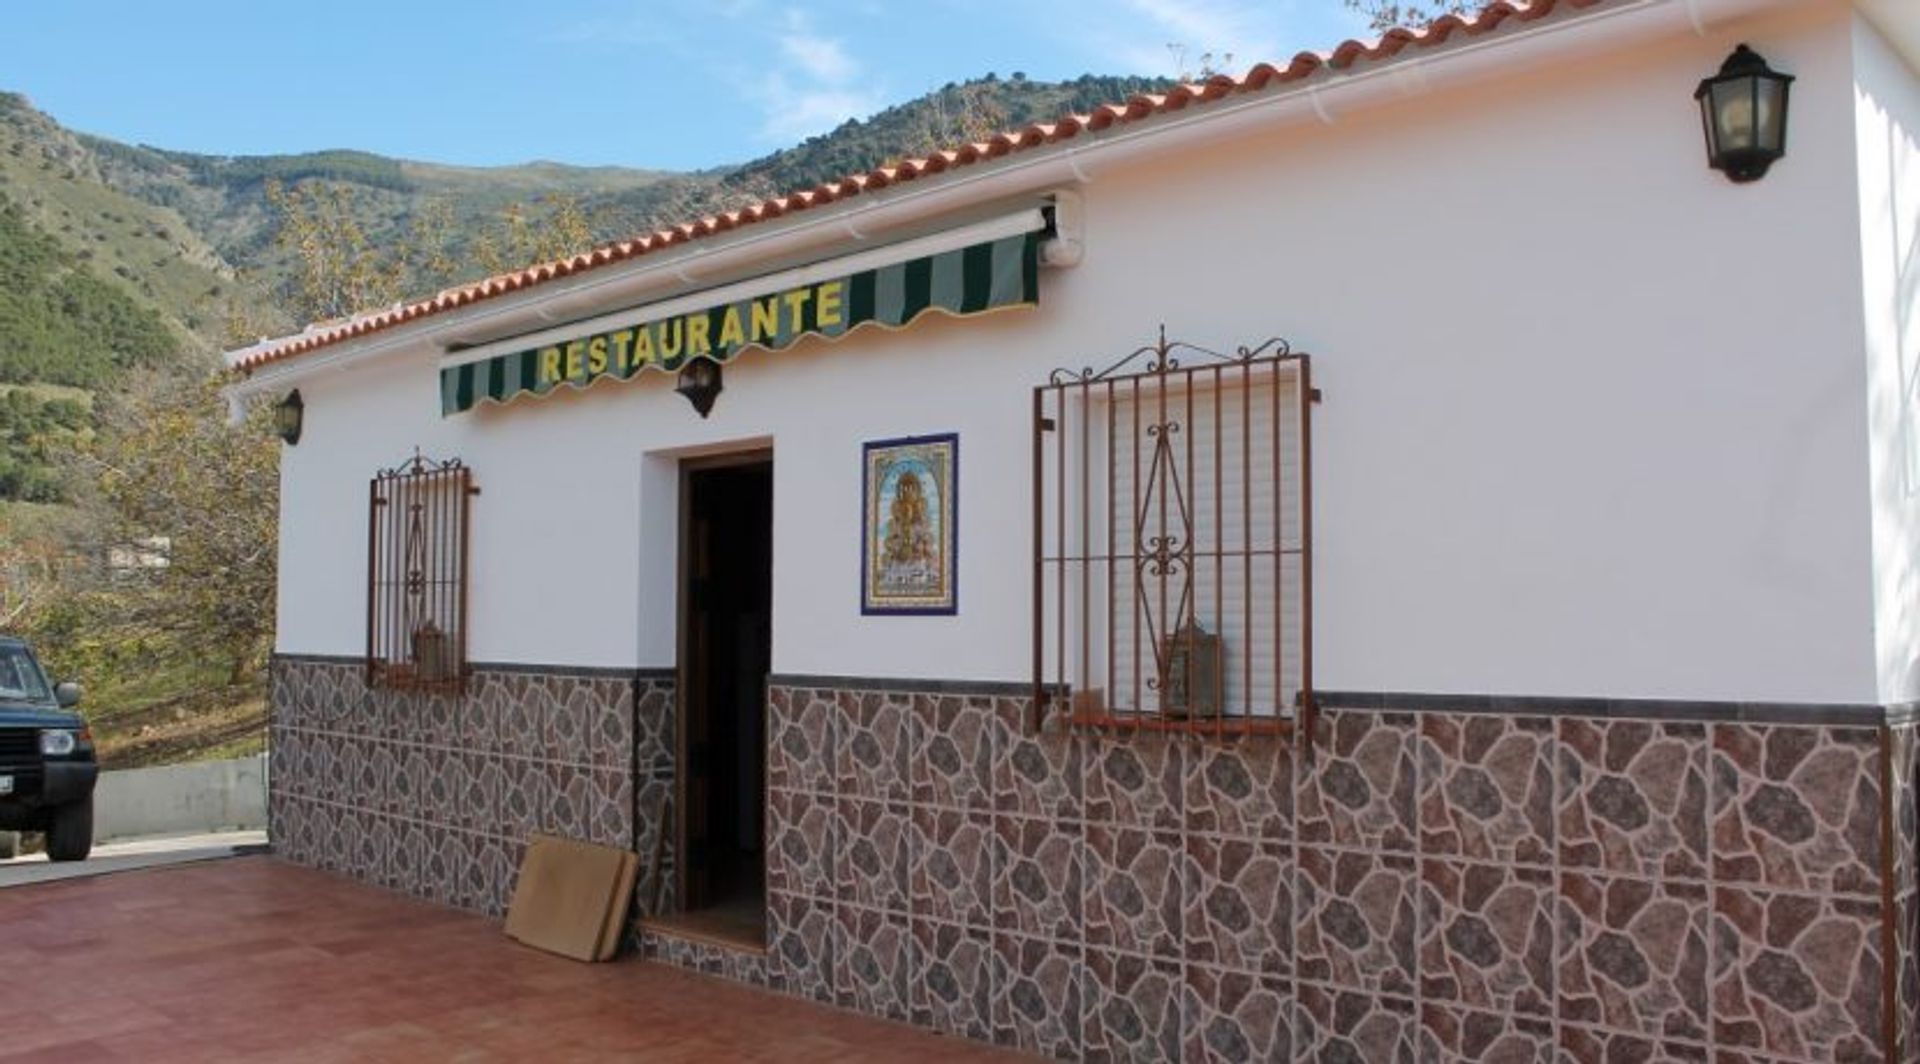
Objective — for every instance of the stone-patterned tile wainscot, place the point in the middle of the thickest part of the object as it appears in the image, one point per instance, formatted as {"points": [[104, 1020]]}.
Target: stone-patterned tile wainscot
{"points": [[1070, 895], [1903, 769], [434, 795], [1426, 885]]}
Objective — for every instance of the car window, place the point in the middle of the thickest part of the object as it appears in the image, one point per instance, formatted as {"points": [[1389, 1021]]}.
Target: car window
{"points": [[20, 676]]}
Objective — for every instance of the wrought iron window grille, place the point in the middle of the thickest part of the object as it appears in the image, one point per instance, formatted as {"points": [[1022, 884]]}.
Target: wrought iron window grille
{"points": [[418, 518], [1172, 525]]}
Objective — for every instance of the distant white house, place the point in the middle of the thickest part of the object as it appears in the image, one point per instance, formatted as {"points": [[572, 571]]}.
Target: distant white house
{"points": [[144, 553]]}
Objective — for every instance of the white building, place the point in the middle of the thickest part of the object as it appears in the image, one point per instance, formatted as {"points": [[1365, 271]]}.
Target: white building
{"points": [[1595, 723]]}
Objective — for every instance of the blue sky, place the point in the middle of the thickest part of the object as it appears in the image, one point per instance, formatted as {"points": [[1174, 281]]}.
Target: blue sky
{"points": [[678, 84]]}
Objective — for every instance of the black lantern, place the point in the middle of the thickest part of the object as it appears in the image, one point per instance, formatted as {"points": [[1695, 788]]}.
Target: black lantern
{"points": [[1744, 110], [288, 413], [700, 383]]}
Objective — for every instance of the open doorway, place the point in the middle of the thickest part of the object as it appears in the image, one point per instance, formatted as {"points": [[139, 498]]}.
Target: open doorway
{"points": [[726, 595]]}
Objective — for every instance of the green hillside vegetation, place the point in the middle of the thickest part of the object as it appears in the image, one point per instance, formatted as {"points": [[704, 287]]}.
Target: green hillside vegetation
{"points": [[193, 235], [33, 431], [61, 324], [358, 167], [145, 250], [225, 199], [955, 113], [161, 600]]}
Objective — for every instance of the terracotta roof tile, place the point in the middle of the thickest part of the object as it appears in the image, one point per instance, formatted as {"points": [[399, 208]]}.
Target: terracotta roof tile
{"points": [[1038, 134]]}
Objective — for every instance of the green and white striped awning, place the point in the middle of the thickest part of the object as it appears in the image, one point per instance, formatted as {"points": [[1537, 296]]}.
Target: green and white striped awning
{"points": [[974, 279]]}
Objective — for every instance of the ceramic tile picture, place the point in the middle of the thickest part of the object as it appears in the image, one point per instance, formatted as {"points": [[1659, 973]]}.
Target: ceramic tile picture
{"points": [[909, 527]]}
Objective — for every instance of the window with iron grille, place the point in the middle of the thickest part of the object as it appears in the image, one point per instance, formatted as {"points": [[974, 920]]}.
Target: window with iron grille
{"points": [[417, 575], [1172, 525]]}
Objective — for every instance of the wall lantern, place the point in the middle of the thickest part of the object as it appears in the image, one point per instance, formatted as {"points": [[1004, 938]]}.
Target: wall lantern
{"points": [[1744, 111], [288, 413], [700, 383]]}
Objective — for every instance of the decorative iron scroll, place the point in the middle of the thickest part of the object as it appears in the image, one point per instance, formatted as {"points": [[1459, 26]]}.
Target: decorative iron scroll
{"points": [[417, 535], [1172, 540]]}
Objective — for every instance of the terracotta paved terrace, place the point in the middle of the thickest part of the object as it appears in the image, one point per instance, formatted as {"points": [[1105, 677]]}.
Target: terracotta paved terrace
{"points": [[254, 959]]}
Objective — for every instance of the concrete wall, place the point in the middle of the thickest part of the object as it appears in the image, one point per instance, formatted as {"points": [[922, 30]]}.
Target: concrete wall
{"points": [[181, 799], [1594, 425]]}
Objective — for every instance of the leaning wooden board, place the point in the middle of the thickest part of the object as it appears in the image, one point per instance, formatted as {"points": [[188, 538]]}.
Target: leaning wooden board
{"points": [[567, 895], [616, 922]]}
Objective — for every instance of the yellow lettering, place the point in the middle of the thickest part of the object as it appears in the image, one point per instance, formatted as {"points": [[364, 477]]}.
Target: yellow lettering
{"points": [[670, 338], [796, 301], [575, 348], [622, 344], [766, 318], [642, 345], [697, 328], [827, 307], [549, 365], [597, 355], [731, 334]]}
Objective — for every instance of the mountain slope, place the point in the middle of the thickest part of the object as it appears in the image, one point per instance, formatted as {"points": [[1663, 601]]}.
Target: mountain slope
{"points": [[952, 114], [144, 250], [224, 198], [191, 237], [61, 322]]}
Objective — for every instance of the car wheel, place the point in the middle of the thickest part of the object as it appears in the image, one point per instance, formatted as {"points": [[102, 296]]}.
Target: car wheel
{"points": [[70, 832], [9, 845]]}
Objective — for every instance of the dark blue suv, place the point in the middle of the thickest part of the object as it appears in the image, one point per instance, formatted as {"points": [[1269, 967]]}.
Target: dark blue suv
{"points": [[47, 767]]}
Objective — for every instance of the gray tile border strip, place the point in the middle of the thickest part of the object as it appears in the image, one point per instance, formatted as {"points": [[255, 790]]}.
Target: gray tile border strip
{"points": [[989, 688], [612, 672], [641, 672], [320, 659], [1843, 713]]}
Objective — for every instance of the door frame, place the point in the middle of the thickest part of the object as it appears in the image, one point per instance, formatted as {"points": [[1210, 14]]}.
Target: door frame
{"points": [[758, 454]]}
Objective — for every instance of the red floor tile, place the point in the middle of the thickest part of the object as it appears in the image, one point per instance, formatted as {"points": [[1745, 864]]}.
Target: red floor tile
{"points": [[254, 959]]}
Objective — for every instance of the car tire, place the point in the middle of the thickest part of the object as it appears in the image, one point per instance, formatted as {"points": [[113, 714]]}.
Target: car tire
{"points": [[70, 832], [9, 845]]}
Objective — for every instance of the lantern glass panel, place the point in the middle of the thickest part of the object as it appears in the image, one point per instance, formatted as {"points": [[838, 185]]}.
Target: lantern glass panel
{"points": [[1771, 97], [1737, 112]]}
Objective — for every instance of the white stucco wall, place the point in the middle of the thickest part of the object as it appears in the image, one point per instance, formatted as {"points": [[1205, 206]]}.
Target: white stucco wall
{"points": [[1887, 123], [1594, 417]]}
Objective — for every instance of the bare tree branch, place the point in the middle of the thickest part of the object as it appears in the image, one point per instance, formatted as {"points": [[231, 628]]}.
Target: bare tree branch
{"points": [[1384, 15]]}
